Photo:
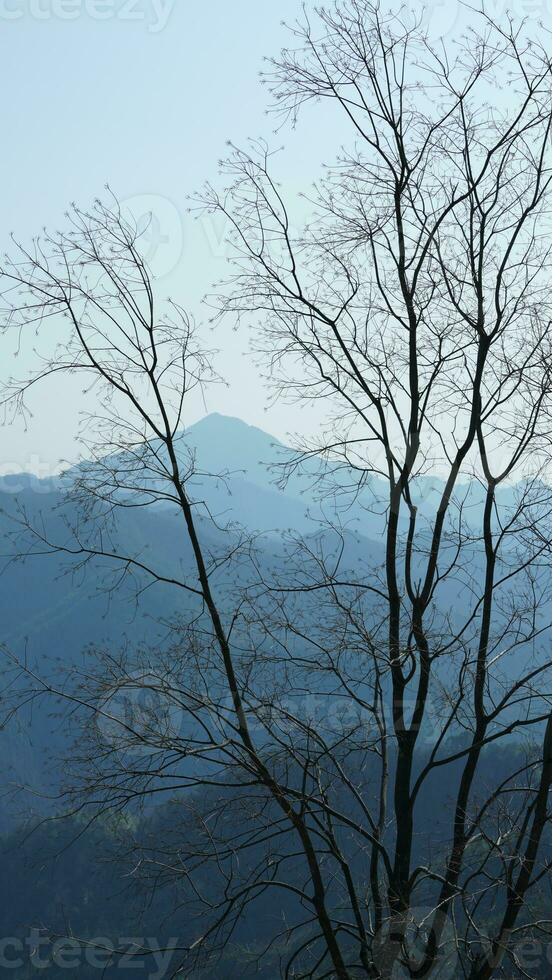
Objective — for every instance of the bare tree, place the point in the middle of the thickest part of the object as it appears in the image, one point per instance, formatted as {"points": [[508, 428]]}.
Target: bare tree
{"points": [[335, 697], [416, 304]]}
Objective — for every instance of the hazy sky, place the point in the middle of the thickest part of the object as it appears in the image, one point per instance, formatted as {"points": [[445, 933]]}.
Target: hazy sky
{"points": [[144, 95]]}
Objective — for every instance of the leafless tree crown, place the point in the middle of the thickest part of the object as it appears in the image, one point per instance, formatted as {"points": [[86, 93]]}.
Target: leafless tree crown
{"points": [[330, 694]]}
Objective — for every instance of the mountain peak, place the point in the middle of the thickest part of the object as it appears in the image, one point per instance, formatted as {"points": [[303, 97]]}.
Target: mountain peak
{"points": [[216, 422], [223, 442]]}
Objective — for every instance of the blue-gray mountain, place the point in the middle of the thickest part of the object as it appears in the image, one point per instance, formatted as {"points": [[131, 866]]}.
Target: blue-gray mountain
{"points": [[53, 610]]}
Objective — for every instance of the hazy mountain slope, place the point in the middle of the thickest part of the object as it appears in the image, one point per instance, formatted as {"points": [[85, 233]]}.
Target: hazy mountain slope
{"points": [[51, 612]]}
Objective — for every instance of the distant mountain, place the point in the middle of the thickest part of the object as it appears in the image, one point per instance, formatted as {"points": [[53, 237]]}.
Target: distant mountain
{"points": [[226, 443], [253, 494], [249, 490], [52, 609]]}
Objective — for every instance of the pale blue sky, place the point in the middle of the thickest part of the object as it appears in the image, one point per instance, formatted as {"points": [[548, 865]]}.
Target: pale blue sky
{"points": [[149, 110], [144, 94], [116, 99]]}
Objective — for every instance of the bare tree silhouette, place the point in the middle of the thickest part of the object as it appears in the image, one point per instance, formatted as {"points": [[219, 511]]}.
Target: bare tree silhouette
{"points": [[333, 697]]}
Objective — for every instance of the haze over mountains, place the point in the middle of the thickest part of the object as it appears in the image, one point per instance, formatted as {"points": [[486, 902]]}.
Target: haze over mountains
{"points": [[52, 611], [251, 492]]}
